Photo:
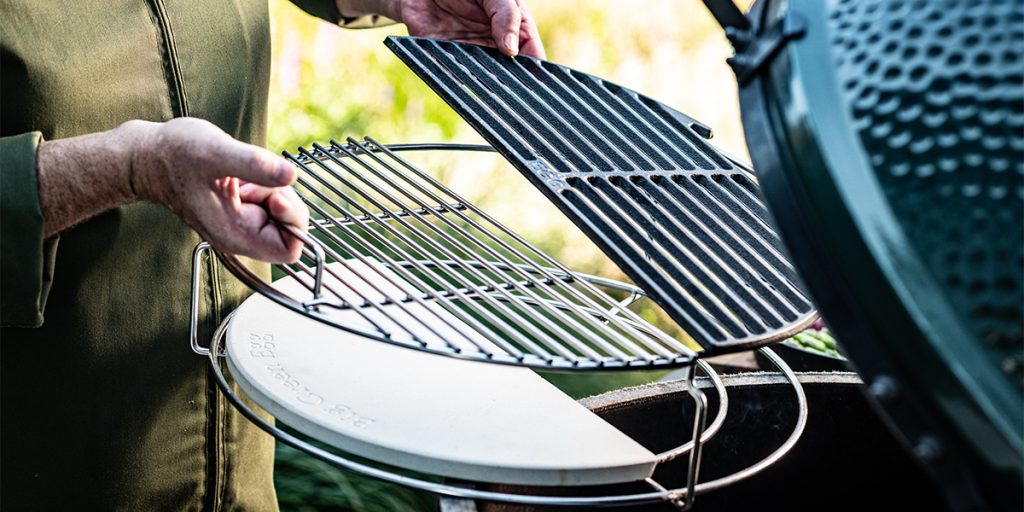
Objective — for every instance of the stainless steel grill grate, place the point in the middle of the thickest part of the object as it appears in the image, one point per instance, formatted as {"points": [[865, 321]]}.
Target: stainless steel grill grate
{"points": [[394, 255], [680, 218], [459, 283]]}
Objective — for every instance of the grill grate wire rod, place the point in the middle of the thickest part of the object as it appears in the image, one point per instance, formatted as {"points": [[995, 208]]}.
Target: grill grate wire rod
{"points": [[422, 267]]}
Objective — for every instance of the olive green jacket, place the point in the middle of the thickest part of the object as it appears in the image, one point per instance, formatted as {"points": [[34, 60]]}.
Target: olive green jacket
{"points": [[104, 405]]}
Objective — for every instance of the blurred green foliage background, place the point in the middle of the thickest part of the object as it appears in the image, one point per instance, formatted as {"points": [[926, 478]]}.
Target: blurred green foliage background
{"points": [[332, 83]]}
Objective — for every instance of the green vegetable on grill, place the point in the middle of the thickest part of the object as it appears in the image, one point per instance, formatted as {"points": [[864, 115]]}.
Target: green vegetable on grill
{"points": [[818, 340]]}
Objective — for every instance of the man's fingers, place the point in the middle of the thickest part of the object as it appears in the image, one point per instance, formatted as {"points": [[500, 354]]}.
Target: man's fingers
{"points": [[282, 203], [253, 193], [239, 200], [286, 207], [505, 21], [532, 47], [251, 232], [530, 37], [286, 247]]}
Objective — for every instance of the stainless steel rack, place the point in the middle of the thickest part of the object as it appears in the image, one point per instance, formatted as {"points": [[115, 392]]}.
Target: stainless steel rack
{"points": [[376, 215], [371, 206]]}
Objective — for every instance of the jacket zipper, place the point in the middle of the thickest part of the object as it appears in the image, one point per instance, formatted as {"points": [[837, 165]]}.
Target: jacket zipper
{"points": [[179, 106], [214, 408], [220, 458], [177, 86]]}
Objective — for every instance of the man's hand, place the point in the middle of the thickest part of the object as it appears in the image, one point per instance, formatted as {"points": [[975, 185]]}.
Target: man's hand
{"points": [[228, 191], [233, 194], [503, 24]]}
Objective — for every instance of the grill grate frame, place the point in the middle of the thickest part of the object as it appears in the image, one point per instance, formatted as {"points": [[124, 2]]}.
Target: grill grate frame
{"points": [[327, 184], [479, 291], [683, 220]]}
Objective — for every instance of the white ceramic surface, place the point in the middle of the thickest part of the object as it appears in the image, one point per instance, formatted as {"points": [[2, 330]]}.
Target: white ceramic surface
{"points": [[431, 413]]}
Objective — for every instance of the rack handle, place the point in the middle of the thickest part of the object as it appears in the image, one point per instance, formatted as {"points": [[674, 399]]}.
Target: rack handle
{"points": [[197, 270], [319, 258]]}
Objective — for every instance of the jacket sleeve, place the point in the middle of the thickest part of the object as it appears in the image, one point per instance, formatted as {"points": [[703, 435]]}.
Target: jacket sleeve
{"points": [[26, 259], [328, 10]]}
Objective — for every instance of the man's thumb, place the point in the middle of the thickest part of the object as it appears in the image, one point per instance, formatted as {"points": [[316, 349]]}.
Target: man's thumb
{"points": [[256, 165]]}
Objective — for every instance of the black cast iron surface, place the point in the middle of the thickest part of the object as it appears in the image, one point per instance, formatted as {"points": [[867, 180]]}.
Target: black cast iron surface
{"points": [[681, 219]]}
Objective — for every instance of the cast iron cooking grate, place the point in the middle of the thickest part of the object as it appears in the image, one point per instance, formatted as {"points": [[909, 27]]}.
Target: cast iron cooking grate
{"points": [[455, 281], [684, 221]]}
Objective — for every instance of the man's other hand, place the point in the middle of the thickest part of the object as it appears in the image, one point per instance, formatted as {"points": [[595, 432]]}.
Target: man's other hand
{"points": [[503, 24]]}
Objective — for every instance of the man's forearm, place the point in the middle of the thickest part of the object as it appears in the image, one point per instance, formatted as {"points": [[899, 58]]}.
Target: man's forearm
{"points": [[84, 176], [235, 195]]}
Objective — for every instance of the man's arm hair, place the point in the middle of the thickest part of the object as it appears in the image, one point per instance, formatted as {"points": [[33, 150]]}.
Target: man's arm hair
{"points": [[84, 176], [233, 194]]}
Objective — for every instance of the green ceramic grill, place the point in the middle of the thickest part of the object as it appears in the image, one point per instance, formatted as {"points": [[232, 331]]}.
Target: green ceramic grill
{"points": [[888, 137]]}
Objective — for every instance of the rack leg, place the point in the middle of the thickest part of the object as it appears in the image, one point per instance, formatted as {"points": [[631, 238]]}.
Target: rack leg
{"points": [[700, 413]]}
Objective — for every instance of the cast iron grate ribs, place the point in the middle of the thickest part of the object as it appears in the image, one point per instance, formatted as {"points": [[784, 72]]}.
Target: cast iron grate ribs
{"points": [[684, 221]]}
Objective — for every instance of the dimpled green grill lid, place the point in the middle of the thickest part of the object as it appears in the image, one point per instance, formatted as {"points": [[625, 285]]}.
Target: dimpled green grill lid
{"points": [[889, 139]]}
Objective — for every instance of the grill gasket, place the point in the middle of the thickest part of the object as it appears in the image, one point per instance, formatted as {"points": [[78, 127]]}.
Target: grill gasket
{"points": [[637, 177]]}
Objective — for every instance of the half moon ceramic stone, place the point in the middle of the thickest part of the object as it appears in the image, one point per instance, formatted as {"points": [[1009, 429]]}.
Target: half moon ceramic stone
{"points": [[429, 413]]}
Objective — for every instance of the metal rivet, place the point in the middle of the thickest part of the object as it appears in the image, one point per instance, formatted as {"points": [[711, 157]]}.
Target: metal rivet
{"points": [[928, 449], [1011, 365], [885, 389]]}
